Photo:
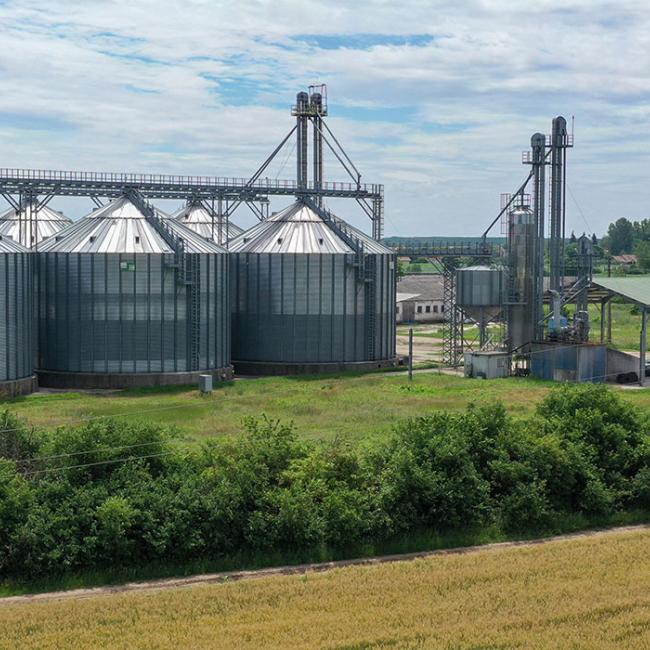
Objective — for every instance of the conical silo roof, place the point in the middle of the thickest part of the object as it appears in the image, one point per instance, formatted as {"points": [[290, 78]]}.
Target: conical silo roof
{"points": [[8, 245], [48, 222], [120, 227], [301, 229], [198, 219]]}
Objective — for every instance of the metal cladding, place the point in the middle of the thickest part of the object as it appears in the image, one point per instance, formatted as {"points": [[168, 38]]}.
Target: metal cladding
{"points": [[120, 227], [522, 263], [121, 292], [198, 219], [479, 291], [16, 354], [309, 289], [45, 223]]}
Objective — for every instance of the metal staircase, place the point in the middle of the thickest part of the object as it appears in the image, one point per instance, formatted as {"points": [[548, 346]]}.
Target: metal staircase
{"points": [[366, 273], [188, 274]]}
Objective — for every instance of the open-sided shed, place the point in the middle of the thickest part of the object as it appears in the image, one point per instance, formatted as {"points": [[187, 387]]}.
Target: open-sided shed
{"points": [[634, 290]]}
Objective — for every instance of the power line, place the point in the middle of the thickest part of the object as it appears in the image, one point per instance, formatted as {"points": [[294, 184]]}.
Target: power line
{"points": [[88, 451], [100, 462], [286, 160], [579, 209]]}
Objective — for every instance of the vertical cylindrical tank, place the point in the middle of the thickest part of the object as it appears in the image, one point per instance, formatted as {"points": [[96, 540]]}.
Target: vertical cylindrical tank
{"points": [[119, 305], [304, 299], [479, 293], [521, 290], [16, 317], [30, 226], [198, 219]]}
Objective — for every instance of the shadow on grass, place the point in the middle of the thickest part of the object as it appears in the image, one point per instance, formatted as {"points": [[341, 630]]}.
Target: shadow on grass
{"points": [[417, 541]]}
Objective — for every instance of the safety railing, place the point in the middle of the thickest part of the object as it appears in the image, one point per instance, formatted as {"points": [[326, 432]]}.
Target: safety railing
{"points": [[144, 180]]}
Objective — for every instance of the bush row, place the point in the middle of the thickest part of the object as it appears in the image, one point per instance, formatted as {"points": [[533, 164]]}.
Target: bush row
{"points": [[70, 501]]}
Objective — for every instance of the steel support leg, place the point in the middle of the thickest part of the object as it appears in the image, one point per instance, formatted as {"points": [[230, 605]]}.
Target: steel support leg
{"points": [[644, 345]]}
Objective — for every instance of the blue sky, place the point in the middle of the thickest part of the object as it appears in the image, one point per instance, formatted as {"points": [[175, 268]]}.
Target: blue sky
{"points": [[434, 99]]}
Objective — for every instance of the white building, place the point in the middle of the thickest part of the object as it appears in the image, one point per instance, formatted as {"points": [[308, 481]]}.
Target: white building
{"points": [[420, 299]]}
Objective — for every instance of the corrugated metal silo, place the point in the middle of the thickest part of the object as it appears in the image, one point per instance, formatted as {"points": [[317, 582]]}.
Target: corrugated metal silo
{"points": [[198, 219], [32, 227], [127, 298], [310, 293], [16, 316], [479, 291], [522, 233]]}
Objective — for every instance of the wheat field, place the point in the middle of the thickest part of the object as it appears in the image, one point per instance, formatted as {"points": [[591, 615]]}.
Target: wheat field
{"points": [[591, 592]]}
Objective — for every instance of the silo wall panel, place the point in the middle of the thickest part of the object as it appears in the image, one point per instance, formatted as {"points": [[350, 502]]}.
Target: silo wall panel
{"points": [[308, 308], [126, 313], [296, 308], [386, 294], [16, 316]]}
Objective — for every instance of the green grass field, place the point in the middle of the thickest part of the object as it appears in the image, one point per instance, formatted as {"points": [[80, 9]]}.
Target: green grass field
{"points": [[626, 326], [421, 268], [352, 406]]}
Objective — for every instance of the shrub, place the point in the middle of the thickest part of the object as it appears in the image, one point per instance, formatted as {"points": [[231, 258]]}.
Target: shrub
{"points": [[111, 493]]}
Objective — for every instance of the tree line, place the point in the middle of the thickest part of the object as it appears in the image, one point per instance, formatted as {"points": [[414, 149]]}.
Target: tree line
{"points": [[632, 237]]}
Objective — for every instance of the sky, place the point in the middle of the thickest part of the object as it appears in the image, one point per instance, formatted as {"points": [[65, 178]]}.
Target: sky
{"points": [[434, 99]]}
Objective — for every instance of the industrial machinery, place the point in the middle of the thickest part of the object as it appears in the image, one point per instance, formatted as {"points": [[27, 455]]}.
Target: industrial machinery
{"points": [[219, 196], [532, 272], [128, 298], [16, 349], [537, 335]]}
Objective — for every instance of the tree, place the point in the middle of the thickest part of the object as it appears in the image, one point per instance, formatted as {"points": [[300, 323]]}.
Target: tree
{"points": [[642, 230], [594, 240], [642, 251], [572, 239], [621, 236]]}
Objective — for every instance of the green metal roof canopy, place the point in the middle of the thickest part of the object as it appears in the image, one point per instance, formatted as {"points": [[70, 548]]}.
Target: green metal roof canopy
{"points": [[636, 290], [632, 289]]}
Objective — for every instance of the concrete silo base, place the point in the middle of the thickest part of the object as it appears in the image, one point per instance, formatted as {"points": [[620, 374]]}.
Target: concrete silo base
{"points": [[18, 387], [84, 380], [278, 368]]}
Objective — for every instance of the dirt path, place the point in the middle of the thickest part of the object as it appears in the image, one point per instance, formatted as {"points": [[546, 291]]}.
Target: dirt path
{"points": [[424, 348], [230, 576]]}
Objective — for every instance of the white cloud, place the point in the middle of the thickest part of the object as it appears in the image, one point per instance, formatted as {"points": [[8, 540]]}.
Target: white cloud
{"points": [[147, 86]]}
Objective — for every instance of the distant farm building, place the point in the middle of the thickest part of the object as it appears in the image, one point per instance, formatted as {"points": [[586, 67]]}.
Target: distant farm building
{"points": [[625, 261], [420, 299]]}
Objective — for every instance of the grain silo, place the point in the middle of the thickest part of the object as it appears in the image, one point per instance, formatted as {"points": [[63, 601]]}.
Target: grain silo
{"points": [[16, 316], [522, 237], [30, 227], [311, 294], [198, 219], [127, 298], [480, 294]]}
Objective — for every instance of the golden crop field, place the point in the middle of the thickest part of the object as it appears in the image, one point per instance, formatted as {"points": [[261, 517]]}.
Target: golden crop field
{"points": [[591, 592]]}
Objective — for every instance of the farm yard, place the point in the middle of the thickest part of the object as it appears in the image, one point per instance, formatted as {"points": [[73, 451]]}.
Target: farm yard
{"points": [[351, 406], [579, 593]]}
